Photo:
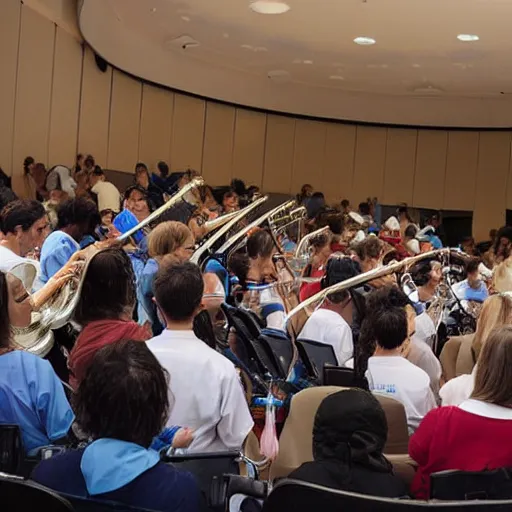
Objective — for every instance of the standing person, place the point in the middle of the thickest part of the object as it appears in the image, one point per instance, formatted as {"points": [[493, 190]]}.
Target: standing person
{"points": [[76, 218], [208, 393], [108, 196], [154, 193], [475, 435]]}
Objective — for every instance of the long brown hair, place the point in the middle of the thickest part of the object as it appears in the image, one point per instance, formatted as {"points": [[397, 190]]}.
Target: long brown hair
{"points": [[493, 380], [166, 237], [496, 311]]}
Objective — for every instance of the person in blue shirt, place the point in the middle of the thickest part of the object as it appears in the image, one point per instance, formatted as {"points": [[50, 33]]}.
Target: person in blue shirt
{"points": [[473, 287], [122, 405], [76, 218], [31, 395]]}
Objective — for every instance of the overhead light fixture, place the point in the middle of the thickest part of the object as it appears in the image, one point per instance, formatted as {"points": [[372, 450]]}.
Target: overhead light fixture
{"points": [[152, 10], [269, 7], [467, 37], [337, 77], [364, 41]]}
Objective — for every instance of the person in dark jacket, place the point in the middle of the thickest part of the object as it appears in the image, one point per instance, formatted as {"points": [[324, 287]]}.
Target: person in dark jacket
{"points": [[349, 435], [122, 405]]}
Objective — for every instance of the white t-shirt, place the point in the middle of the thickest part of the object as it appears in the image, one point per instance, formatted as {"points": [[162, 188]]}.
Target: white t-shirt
{"points": [[402, 380], [9, 260], [326, 326], [207, 394], [456, 390], [108, 196]]}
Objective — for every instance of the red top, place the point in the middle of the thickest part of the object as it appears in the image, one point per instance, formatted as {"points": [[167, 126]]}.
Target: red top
{"points": [[309, 289], [452, 438]]}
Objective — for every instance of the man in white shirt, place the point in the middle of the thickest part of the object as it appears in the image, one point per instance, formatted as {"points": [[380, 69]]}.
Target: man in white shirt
{"points": [[330, 324], [390, 373], [207, 393], [24, 225], [109, 197]]}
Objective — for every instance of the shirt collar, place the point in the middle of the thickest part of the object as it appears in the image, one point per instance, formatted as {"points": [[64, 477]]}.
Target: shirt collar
{"points": [[486, 409]]}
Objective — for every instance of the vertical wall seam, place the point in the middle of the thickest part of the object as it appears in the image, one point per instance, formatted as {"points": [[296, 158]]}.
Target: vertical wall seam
{"points": [[415, 167], [354, 154], [13, 136], [205, 113], [233, 135], [384, 169], [171, 141], [264, 154], [290, 183], [48, 131], [77, 146], [443, 204], [109, 117], [140, 120]]}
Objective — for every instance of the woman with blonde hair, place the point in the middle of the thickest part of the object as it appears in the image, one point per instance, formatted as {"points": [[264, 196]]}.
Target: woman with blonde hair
{"points": [[496, 312], [170, 241], [475, 435]]}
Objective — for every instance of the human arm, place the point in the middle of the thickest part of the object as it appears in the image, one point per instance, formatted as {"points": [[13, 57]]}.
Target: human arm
{"points": [[421, 441]]}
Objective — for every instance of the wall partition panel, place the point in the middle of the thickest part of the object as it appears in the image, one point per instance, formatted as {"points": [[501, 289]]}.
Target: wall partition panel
{"points": [[33, 91], [123, 138], [249, 146], [509, 188], [187, 133], [461, 167], [94, 110], [400, 166], [65, 102], [218, 143], [338, 177], [279, 150], [9, 37], [308, 157], [155, 125], [369, 163], [491, 182], [430, 168]]}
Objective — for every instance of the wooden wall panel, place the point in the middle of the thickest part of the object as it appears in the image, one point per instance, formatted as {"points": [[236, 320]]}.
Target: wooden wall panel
{"points": [[249, 146], [491, 179], [400, 166], [279, 144], [9, 36], [218, 143], [67, 76], [94, 110], [509, 184], [123, 138], [430, 168], [308, 158], [369, 163], [339, 154], [33, 91], [461, 166], [187, 133], [155, 125]]}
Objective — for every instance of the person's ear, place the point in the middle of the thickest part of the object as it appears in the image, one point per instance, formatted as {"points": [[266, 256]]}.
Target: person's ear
{"points": [[18, 231]]}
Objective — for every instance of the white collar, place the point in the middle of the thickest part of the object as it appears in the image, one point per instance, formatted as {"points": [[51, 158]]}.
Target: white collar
{"points": [[188, 336], [486, 409]]}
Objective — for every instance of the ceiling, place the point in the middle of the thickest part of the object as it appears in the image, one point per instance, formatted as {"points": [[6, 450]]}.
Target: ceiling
{"points": [[417, 73]]}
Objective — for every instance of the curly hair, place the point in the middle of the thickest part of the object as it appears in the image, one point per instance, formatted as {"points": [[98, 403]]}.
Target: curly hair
{"points": [[108, 289], [125, 394], [79, 211]]}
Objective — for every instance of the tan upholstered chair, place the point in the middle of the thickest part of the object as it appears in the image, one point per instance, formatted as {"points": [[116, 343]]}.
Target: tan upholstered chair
{"points": [[296, 441], [457, 357]]}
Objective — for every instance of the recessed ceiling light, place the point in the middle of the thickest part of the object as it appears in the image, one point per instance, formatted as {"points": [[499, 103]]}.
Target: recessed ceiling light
{"points": [[364, 41], [269, 7], [152, 10], [467, 37], [307, 62], [337, 77], [185, 18]]}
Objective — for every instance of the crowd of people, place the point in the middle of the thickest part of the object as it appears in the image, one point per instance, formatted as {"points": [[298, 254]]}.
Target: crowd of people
{"points": [[145, 363]]}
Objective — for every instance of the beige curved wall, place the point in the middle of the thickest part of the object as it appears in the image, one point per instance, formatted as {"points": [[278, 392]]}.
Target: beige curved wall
{"points": [[55, 102]]}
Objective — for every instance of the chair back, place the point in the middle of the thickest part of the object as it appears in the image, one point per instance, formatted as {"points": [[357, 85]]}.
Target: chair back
{"points": [[471, 485], [305, 497], [280, 348], [296, 441], [11, 449], [92, 505], [315, 357], [457, 357], [344, 377], [17, 494]]}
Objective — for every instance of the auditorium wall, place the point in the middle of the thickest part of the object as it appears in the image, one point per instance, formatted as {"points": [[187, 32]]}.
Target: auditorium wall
{"points": [[55, 102]]}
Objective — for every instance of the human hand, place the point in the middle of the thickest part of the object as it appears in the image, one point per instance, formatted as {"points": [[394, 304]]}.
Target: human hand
{"points": [[183, 438]]}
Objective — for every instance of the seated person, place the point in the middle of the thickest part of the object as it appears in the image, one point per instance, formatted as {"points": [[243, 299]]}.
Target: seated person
{"points": [[208, 394], [330, 323], [472, 288], [349, 435], [104, 309], [496, 312], [391, 373], [31, 395], [76, 218], [122, 405], [321, 245], [475, 435], [107, 193], [136, 209]]}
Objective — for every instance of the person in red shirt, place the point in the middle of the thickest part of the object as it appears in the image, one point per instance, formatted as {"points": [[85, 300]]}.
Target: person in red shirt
{"points": [[476, 435], [316, 267]]}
